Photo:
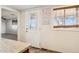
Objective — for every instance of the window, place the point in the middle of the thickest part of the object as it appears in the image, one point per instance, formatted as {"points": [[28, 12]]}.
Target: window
{"points": [[59, 17], [70, 16], [33, 22], [14, 24], [66, 18]]}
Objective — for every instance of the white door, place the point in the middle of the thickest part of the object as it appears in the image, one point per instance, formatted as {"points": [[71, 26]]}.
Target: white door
{"points": [[32, 28]]}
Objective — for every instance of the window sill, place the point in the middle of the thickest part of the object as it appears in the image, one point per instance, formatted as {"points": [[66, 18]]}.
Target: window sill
{"points": [[67, 26], [72, 28]]}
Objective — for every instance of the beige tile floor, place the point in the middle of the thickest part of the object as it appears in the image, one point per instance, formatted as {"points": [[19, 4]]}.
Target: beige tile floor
{"points": [[32, 49]]}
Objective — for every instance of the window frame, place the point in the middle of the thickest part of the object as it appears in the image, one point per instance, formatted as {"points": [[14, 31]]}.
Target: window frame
{"points": [[76, 15]]}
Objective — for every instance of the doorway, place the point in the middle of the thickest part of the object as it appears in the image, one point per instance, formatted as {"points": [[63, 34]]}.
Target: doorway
{"points": [[9, 26], [32, 28]]}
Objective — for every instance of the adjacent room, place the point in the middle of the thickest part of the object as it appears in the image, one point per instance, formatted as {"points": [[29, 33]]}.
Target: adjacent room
{"points": [[39, 29], [9, 24]]}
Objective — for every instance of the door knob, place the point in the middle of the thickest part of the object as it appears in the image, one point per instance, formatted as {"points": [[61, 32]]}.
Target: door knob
{"points": [[26, 29]]}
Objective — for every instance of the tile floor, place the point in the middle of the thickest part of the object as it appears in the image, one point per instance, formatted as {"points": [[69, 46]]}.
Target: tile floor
{"points": [[32, 49]]}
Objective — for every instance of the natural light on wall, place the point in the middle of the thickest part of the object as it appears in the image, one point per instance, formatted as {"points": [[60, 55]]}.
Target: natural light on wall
{"points": [[14, 27]]}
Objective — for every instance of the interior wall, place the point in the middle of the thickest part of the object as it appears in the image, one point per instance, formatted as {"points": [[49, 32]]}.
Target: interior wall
{"points": [[50, 38], [58, 39], [62, 40], [21, 26], [3, 28], [10, 28], [0, 21], [7, 27]]}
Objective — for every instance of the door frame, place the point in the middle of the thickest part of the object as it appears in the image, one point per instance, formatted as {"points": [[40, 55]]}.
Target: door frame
{"points": [[37, 12]]}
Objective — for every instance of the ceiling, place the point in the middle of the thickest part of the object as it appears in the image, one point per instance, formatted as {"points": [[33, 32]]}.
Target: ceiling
{"points": [[8, 14], [11, 15], [23, 7]]}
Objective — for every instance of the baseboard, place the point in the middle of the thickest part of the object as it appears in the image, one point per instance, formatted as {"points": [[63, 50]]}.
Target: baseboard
{"points": [[51, 50], [35, 47]]}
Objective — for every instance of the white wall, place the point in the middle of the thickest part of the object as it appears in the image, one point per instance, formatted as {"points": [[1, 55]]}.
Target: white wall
{"points": [[50, 38], [9, 27], [0, 21], [3, 24], [62, 40], [21, 26], [59, 40]]}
